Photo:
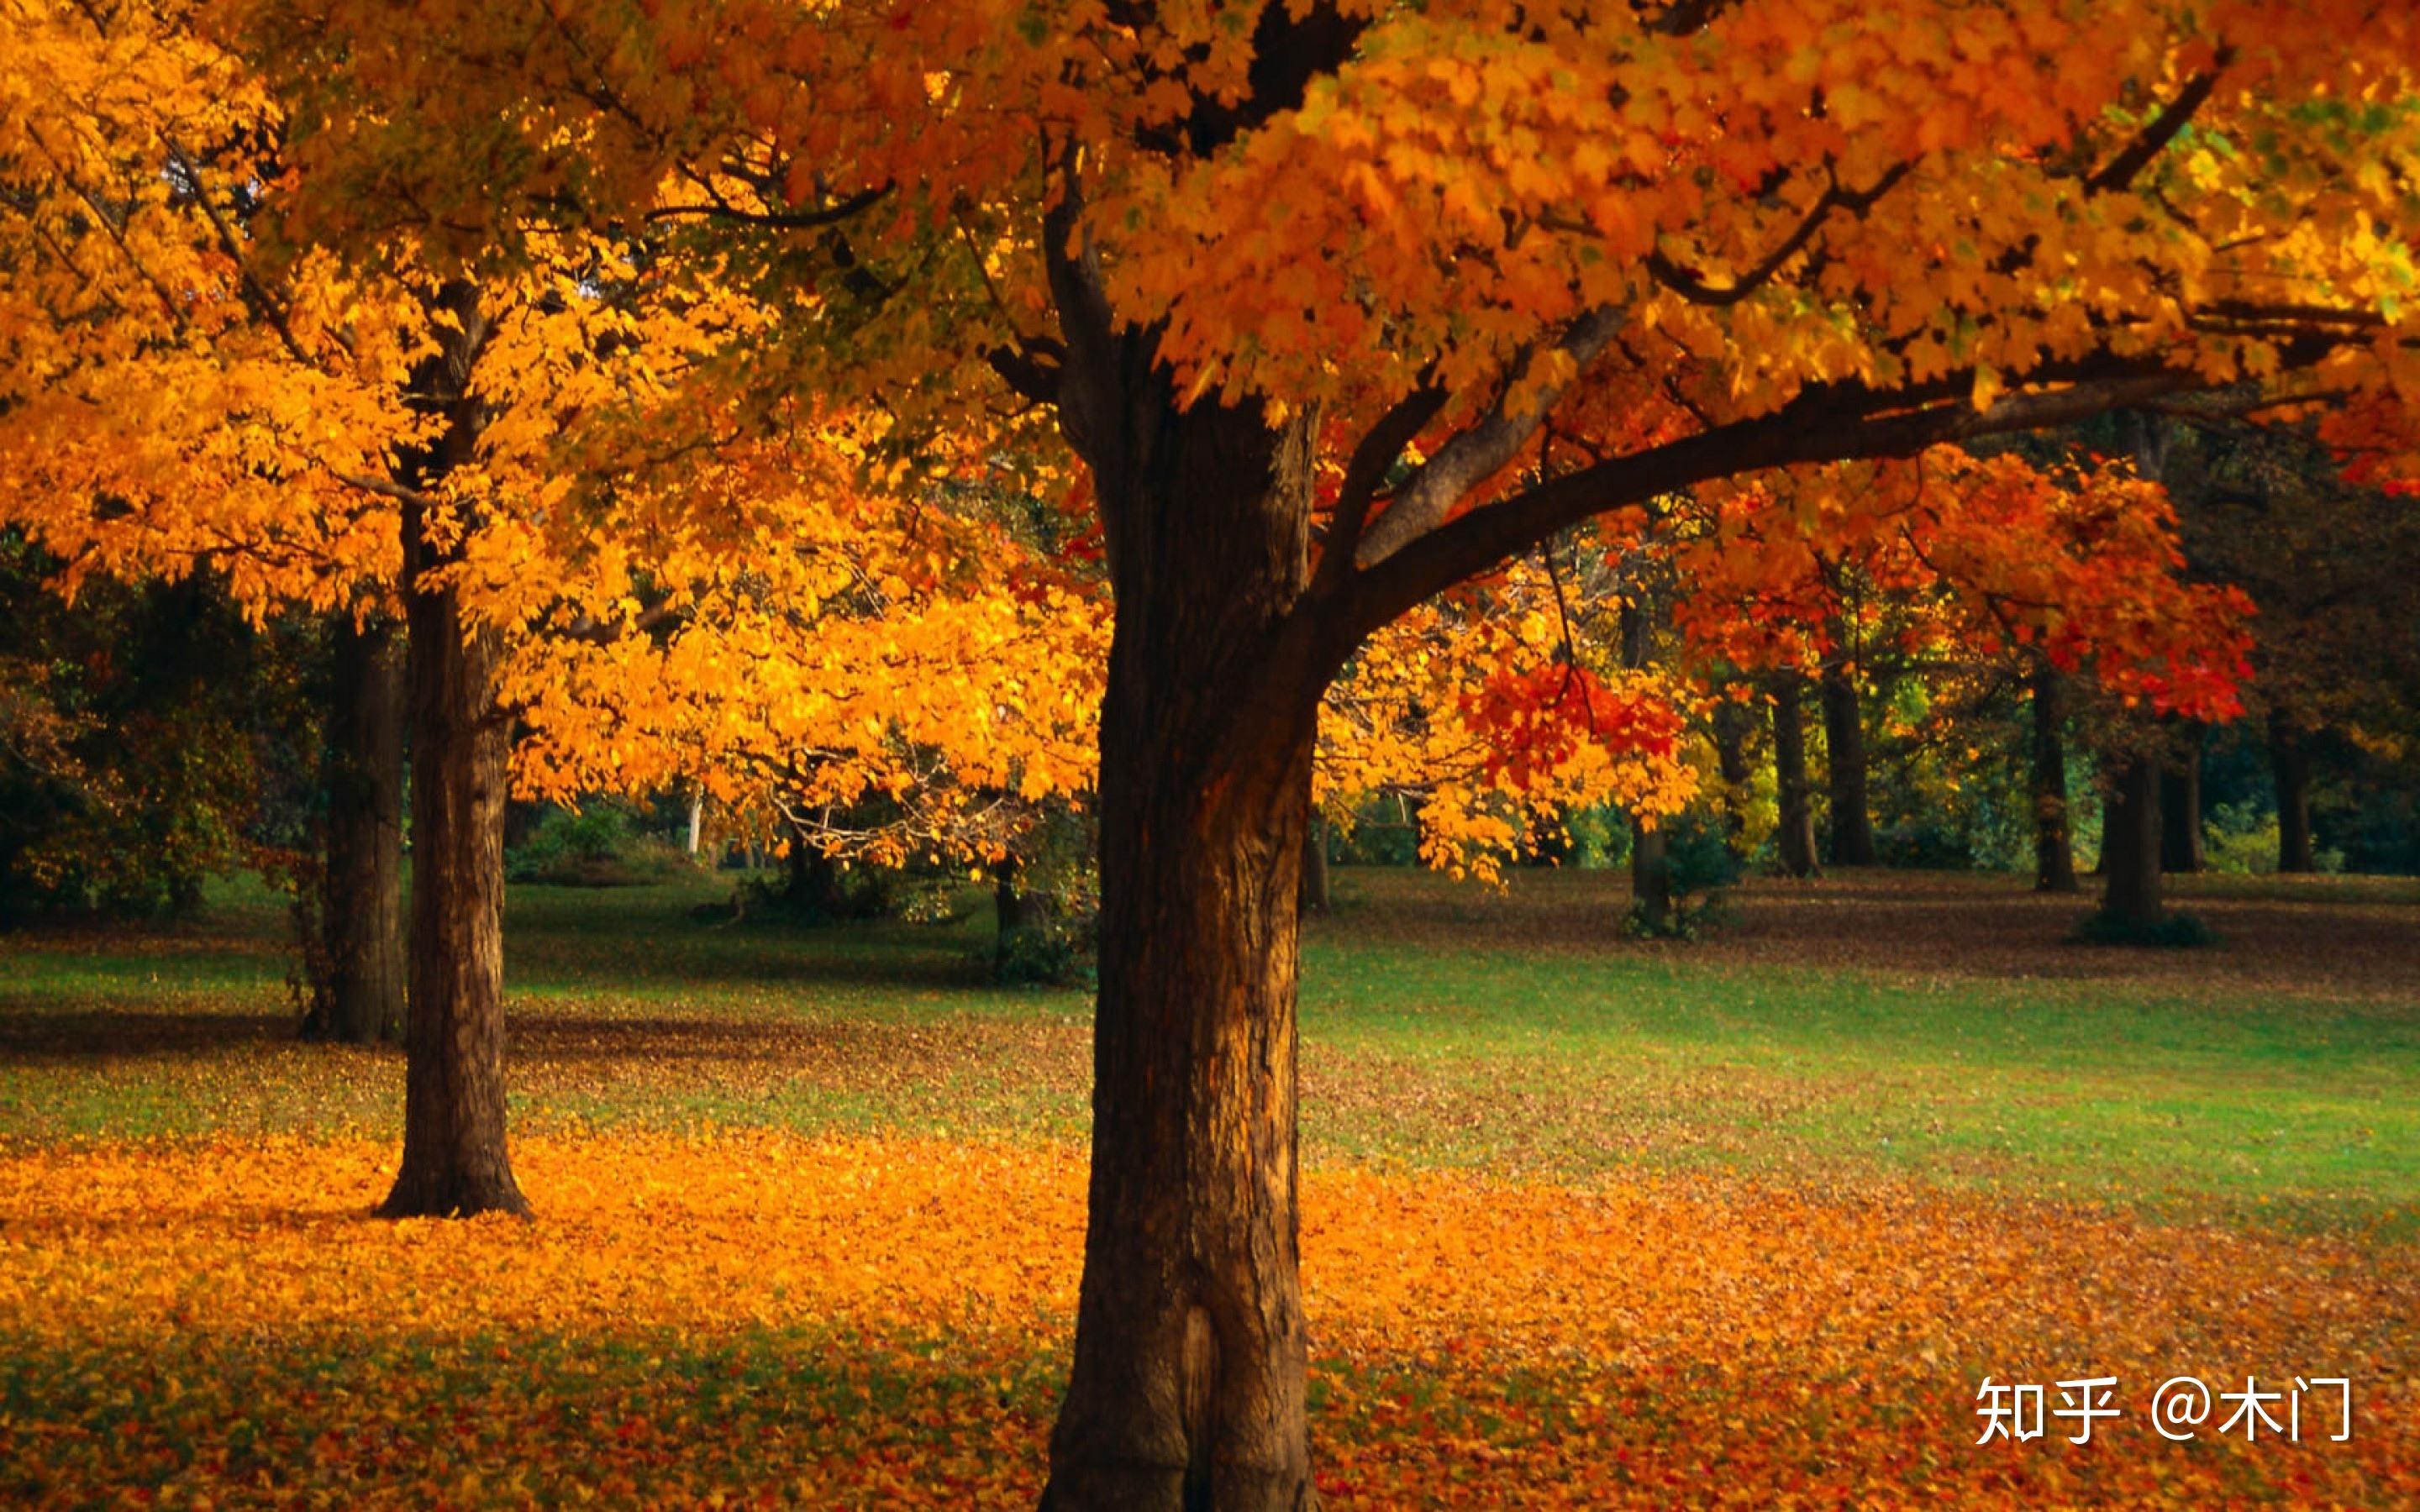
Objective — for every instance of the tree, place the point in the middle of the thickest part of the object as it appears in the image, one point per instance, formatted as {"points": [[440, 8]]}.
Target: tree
{"points": [[359, 997], [143, 741], [1234, 247], [192, 386], [157, 401], [2331, 556]]}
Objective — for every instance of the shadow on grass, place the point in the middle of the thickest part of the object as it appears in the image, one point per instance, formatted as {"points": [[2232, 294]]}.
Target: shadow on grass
{"points": [[33, 1033]]}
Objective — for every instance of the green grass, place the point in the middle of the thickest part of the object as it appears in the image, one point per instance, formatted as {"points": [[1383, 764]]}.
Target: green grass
{"points": [[1866, 1028]]}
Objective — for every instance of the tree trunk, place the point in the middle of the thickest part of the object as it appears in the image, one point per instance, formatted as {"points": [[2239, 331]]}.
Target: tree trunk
{"points": [[1189, 1375], [453, 1157], [2130, 857], [1651, 877], [1844, 743], [2054, 847], [813, 887], [360, 1000], [2180, 808], [1016, 912], [455, 1163], [2289, 761], [1796, 792], [1315, 897], [1650, 863], [1732, 725]]}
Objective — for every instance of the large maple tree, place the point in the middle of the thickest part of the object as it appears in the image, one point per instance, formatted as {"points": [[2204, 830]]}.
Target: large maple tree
{"points": [[1491, 269]]}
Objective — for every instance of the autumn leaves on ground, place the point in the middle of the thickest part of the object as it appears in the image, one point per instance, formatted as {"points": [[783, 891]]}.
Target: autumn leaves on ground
{"points": [[1586, 1222]]}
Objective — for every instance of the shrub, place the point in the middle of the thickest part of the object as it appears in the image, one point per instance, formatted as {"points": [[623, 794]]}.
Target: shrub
{"points": [[598, 846]]}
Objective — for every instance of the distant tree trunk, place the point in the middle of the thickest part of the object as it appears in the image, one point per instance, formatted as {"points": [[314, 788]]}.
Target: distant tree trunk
{"points": [[2181, 807], [520, 820], [696, 822], [2129, 855], [814, 886], [2054, 847], [1733, 724], [1795, 792], [1651, 877], [455, 1163], [361, 999], [1651, 865], [1315, 897], [2290, 761], [1844, 742], [1019, 913]]}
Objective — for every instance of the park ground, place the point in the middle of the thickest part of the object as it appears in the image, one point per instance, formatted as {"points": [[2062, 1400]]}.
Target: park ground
{"points": [[1585, 1221]]}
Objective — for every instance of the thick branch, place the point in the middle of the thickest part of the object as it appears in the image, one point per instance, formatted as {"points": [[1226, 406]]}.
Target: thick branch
{"points": [[1366, 472], [1032, 374], [1480, 452], [1827, 424], [400, 493]]}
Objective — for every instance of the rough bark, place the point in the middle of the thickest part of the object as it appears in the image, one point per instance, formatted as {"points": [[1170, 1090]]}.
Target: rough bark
{"points": [[2180, 805], [359, 998], [1315, 891], [2289, 763], [1844, 747], [1189, 1375], [1795, 790], [2129, 855], [455, 1163], [2054, 844]]}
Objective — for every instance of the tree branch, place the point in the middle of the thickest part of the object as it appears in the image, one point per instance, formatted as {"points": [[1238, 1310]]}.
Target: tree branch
{"points": [[2120, 170], [776, 220], [1831, 423], [1366, 472], [1693, 288], [1477, 452]]}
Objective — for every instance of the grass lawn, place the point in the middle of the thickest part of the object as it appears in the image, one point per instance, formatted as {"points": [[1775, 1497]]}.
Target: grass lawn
{"points": [[1585, 1220]]}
